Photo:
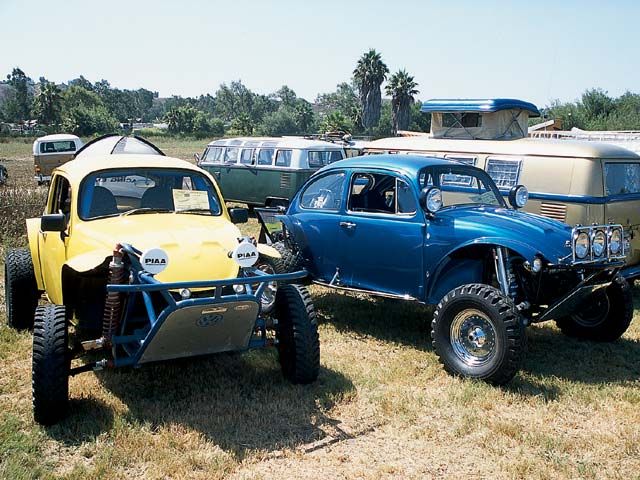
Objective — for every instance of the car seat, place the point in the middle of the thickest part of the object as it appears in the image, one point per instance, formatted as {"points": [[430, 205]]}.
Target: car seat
{"points": [[157, 197], [102, 203]]}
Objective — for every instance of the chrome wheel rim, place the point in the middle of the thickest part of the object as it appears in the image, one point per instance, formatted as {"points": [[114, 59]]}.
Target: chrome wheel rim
{"points": [[268, 298], [473, 337]]}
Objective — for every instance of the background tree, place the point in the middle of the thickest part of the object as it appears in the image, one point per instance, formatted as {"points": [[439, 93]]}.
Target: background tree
{"points": [[335, 121], [401, 88], [47, 104], [344, 100], [84, 113], [369, 74], [18, 106]]}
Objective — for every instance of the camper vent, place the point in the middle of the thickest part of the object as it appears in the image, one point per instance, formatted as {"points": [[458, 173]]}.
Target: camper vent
{"points": [[556, 211], [285, 180]]}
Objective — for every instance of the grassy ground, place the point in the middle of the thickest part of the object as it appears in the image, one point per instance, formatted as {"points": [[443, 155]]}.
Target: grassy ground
{"points": [[382, 408]]}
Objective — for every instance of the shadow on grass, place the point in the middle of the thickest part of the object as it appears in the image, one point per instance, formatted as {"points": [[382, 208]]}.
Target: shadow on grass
{"points": [[551, 355], [398, 321], [87, 418], [238, 401]]}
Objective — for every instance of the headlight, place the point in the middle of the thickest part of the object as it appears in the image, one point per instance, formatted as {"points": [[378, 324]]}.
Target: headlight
{"points": [[599, 243], [581, 245], [615, 241]]}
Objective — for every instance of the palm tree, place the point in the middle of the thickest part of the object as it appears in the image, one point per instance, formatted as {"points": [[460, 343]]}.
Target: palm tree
{"points": [[401, 88], [369, 74], [48, 102]]}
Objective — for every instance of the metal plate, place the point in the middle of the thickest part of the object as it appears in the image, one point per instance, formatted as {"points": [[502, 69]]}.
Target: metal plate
{"points": [[203, 329]]}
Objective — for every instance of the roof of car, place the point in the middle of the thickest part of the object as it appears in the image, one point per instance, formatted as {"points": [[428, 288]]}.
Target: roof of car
{"points": [[79, 168], [409, 164], [478, 105], [523, 146], [57, 137], [278, 142]]}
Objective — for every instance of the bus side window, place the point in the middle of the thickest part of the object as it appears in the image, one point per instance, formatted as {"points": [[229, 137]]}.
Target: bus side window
{"points": [[265, 156]]}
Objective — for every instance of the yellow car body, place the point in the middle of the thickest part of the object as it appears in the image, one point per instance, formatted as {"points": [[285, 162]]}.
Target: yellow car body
{"points": [[197, 245]]}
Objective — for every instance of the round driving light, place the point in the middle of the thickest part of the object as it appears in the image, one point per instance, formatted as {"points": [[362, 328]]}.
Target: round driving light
{"points": [[599, 243], [434, 200], [238, 288], [185, 293], [536, 266], [522, 196], [581, 245], [615, 241]]}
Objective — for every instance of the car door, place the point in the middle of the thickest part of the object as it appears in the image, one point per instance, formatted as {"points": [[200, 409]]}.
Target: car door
{"points": [[53, 245], [316, 217], [382, 234]]}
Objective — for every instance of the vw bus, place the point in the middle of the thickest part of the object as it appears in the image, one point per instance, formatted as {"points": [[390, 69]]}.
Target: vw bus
{"points": [[266, 171], [50, 152], [576, 182]]}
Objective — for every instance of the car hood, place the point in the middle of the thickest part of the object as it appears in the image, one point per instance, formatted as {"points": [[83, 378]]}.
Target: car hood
{"points": [[533, 233], [197, 245]]}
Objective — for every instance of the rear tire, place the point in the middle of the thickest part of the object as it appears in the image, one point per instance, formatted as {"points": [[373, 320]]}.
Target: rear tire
{"points": [[50, 364], [297, 334], [477, 333], [291, 261], [21, 291], [606, 318]]}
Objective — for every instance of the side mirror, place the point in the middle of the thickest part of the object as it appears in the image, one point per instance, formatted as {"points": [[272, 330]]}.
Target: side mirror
{"points": [[196, 157], [431, 199], [518, 196], [54, 222], [239, 215]]}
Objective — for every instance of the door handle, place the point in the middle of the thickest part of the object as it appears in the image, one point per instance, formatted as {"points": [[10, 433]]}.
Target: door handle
{"points": [[348, 225]]}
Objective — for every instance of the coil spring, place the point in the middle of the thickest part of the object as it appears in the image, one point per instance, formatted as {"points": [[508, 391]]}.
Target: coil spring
{"points": [[113, 301]]}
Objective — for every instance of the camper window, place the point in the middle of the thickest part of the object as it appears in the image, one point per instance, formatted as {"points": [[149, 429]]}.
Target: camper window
{"points": [[621, 178], [504, 173], [322, 158], [265, 156], [231, 155], [283, 158], [246, 157], [458, 120]]}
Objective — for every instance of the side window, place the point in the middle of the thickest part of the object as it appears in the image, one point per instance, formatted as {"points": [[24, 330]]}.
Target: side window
{"points": [[283, 158], [230, 155], [377, 193], [265, 156], [505, 173], [319, 159], [213, 155], [621, 178], [61, 201], [325, 193], [246, 156]]}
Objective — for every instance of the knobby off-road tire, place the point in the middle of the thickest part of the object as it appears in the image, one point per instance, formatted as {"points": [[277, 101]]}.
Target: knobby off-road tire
{"points": [[292, 261], [477, 333], [21, 291], [50, 367], [297, 334], [605, 318]]}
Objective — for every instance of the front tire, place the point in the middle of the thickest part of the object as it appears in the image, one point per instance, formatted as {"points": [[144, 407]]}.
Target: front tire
{"points": [[291, 261], [51, 363], [477, 333], [21, 291], [297, 334], [605, 318], [271, 266]]}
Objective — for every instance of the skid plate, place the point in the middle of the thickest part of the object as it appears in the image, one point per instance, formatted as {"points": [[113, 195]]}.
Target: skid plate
{"points": [[201, 330]]}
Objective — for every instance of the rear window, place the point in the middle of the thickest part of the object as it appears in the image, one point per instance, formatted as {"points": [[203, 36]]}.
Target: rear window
{"points": [[621, 178], [58, 147], [319, 159]]}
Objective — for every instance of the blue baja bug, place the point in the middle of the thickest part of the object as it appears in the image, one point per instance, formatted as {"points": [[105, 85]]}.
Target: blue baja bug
{"points": [[439, 232]]}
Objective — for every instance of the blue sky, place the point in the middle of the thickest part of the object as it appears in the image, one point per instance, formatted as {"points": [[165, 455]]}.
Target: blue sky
{"points": [[535, 50]]}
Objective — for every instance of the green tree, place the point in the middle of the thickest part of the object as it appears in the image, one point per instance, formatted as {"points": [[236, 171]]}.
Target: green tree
{"points": [[304, 116], [47, 104], [84, 112], [369, 74], [345, 100], [401, 88], [335, 121], [18, 106], [285, 96], [242, 125], [282, 122], [183, 119], [420, 122]]}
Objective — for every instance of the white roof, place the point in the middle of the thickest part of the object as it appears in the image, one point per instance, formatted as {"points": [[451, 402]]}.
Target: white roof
{"points": [[57, 137], [278, 142]]}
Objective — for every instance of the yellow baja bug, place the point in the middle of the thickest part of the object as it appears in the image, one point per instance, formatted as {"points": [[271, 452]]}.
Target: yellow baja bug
{"points": [[140, 257]]}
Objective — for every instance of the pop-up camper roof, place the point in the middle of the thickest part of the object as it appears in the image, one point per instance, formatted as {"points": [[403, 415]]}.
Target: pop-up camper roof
{"points": [[480, 119]]}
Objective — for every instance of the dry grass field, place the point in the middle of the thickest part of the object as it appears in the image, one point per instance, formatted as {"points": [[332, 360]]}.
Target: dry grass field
{"points": [[382, 407]]}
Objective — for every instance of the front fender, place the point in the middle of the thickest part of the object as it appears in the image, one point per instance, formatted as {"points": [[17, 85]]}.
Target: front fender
{"points": [[89, 260], [268, 251], [33, 232], [449, 274]]}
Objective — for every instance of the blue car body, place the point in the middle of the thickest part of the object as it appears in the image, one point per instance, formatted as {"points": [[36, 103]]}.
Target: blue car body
{"points": [[412, 256]]}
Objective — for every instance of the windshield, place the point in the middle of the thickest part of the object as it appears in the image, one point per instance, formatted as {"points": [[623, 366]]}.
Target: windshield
{"points": [[146, 190], [462, 185]]}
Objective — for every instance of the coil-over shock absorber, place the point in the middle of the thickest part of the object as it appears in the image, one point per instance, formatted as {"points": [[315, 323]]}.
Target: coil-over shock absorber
{"points": [[113, 302]]}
